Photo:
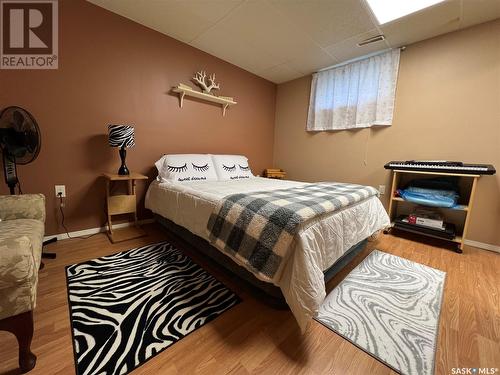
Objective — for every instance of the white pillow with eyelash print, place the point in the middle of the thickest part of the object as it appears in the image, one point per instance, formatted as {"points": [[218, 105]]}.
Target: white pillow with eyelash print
{"points": [[186, 167], [232, 167]]}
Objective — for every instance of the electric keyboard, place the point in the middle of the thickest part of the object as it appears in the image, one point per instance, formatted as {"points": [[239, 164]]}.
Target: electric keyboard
{"points": [[441, 166]]}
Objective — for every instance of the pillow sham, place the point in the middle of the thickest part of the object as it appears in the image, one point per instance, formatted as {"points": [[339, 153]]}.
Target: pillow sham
{"points": [[232, 167], [186, 167]]}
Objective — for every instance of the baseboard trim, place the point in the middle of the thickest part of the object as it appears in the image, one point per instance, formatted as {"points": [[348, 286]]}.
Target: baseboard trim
{"points": [[88, 232], [482, 245]]}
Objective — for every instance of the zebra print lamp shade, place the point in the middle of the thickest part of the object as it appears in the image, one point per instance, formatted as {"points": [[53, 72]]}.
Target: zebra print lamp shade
{"points": [[121, 136]]}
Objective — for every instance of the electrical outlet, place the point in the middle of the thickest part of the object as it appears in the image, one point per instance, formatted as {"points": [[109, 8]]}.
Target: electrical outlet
{"points": [[381, 189], [61, 189]]}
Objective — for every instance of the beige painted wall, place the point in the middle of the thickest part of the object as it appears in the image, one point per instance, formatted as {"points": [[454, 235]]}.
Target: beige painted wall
{"points": [[447, 107]]}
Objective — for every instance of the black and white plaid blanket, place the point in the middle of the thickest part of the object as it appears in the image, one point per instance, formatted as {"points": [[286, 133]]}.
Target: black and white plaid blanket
{"points": [[257, 229]]}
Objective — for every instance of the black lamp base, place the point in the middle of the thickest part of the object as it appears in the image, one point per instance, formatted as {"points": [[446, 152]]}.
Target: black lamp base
{"points": [[123, 171]]}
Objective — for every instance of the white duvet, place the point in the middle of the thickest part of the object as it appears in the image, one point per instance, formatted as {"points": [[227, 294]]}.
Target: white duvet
{"points": [[319, 242]]}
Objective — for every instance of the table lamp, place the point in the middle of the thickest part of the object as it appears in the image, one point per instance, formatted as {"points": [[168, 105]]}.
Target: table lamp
{"points": [[121, 136]]}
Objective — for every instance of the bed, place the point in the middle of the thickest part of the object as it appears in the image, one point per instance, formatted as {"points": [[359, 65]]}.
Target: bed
{"points": [[318, 246]]}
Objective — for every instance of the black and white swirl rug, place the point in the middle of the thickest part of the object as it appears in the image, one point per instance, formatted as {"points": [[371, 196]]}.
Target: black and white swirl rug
{"points": [[389, 307], [127, 307]]}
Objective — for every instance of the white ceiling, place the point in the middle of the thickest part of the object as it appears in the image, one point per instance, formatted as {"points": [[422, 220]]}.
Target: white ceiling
{"points": [[281, 40]]}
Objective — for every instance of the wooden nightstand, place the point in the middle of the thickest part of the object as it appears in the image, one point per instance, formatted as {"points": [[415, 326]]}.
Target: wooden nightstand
{"points": [[122, 204]]}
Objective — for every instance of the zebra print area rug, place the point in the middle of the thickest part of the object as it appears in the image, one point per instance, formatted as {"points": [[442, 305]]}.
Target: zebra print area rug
{"points": [[127, 307], [389, 307]]}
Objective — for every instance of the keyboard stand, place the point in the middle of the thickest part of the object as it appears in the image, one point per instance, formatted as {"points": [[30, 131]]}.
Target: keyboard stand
{"points": [[466, 199]]}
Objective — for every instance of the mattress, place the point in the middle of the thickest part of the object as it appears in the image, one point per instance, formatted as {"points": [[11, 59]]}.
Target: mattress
{"points": [[318, 244]]}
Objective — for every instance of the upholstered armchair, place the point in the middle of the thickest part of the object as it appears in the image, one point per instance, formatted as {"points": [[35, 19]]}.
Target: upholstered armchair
{"points": [[22, 219]]}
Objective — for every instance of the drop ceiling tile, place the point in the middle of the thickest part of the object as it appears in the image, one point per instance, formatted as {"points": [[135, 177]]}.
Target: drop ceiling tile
{"points": [[311, 61], [223, 43], [348, 49], [257, 23], [439, 19], [327, 21], [182, 20], [211, 10], [280, 73], [284, 39], [479, 11]]}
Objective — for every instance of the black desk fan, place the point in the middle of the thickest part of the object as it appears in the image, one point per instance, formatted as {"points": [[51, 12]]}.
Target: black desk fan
{"points": [[20, 143]]}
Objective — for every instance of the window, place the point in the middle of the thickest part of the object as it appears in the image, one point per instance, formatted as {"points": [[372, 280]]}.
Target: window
{"points": [[356, 95]]}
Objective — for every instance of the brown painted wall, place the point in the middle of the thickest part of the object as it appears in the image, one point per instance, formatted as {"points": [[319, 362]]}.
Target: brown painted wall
{"points": [[112, 70], [447, 107]]}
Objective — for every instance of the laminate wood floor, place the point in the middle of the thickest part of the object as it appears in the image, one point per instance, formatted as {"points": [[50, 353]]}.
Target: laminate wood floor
{"points": [[253, 338]]}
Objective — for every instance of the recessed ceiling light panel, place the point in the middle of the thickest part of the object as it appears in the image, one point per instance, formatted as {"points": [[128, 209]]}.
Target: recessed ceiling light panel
{"points": [[389, 10]]}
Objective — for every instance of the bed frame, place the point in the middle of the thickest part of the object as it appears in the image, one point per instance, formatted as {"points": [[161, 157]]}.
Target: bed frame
{"points": [[268, 292]]}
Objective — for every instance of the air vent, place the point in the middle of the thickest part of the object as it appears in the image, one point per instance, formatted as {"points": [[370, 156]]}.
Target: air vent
{"points": [[373, 39]]}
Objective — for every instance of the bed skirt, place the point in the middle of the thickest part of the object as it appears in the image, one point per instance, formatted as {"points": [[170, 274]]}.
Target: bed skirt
{"points": [[268, 292]]}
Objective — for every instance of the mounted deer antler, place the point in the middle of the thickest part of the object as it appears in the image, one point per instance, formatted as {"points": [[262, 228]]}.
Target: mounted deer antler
{"points": [[213, 85], [200, 79]]}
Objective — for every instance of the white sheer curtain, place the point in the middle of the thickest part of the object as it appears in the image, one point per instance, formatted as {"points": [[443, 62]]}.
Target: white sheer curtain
{"points": [[356, 95]]}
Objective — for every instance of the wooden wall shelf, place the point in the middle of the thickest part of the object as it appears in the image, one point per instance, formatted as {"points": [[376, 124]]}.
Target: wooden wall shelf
{"points": [[185, 91]]}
